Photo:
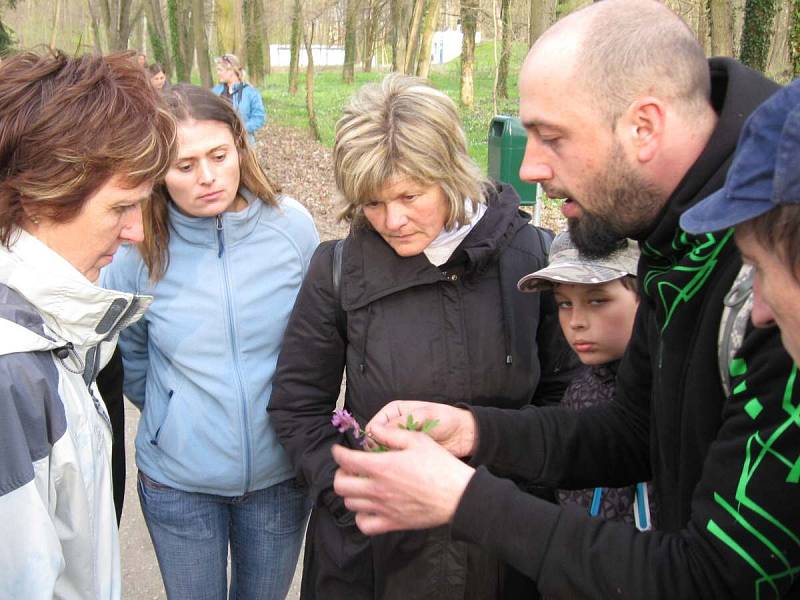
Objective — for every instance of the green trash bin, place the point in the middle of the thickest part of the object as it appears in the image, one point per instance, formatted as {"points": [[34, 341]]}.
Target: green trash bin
{"points": [[507, 140]]}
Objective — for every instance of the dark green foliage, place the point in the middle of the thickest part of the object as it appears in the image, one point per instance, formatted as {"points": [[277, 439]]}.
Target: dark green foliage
{"points": [[7, 40], [757, 33], [175, 40], [160, 53]]}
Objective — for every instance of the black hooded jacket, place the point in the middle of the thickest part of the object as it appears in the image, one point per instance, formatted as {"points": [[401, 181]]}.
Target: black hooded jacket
{"points": [[725, 468], [456, 333]]}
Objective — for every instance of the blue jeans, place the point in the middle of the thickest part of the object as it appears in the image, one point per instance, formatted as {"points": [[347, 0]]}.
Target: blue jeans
{"points": [[191, 533]]}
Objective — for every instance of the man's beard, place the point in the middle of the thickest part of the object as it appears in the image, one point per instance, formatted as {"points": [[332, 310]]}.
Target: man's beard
{"points": [[624, 206]]}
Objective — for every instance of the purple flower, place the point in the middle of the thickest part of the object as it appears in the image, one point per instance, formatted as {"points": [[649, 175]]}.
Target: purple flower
{"points": [[343, 421]]}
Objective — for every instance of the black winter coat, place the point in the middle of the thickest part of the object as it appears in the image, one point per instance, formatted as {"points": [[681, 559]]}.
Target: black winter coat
{"points": [[457, 333]]}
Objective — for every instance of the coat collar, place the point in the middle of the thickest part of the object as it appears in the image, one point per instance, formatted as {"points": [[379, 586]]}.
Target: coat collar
{"points": [[372, 270], [203, 231], [73, 309]]}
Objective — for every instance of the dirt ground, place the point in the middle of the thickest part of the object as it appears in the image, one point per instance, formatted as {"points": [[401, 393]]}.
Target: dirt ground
{"points": [[303, 169]]}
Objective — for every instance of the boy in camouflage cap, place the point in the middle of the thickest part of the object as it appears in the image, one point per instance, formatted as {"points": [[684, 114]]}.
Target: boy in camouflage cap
{"points": [[597, 301]]}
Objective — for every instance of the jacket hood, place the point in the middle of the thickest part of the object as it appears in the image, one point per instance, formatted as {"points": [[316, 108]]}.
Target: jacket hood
{"points": [[736, 91], [372, 270], [53, 305]]}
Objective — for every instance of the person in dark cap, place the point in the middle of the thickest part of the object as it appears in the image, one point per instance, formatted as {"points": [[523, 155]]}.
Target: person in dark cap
{"points": [[761, 199]]}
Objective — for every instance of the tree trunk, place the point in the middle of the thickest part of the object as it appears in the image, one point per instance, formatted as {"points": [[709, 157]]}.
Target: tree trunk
{"points": [[542, 15], [721, 21], [702, 23], [265, 33], [201, 43], [469, 18], [253, 46], [157, 32], [183, 68], [428, 29], [395, 38], [371, 35], [312, 115], [294, 54], [238, 30], [505, 52], [351, 14], [54, 29], [757, 33], [779, 63], [412, 39], [98, 45], [794, 38]]}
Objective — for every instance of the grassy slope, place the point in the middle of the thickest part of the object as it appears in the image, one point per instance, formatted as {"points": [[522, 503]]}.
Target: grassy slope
{"points": [[331, 95]]}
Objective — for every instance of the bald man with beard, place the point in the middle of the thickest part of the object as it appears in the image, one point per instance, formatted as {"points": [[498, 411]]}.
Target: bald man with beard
{"points": [[629, 122]]}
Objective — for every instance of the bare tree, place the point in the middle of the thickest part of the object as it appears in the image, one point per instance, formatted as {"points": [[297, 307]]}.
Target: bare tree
{"points": [[505, 52], [542, 15], [721, 20], [351, 17], [238, 29], [395, 19], [254, 49], [794, 38], [757, 33], [779, 61], [98, 46], [294, 54], [308, 39], [56, 15], [371, 35], [469, 19], [412, 39], [157, 32], [201, 42], [428, 28]]}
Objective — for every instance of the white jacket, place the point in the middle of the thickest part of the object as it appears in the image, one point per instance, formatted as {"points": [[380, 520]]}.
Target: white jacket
{"points": [[58, 533]]}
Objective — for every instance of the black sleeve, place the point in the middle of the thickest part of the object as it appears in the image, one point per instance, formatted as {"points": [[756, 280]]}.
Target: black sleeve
{"points": [[742, 539], [307, 381], [559, 446]]}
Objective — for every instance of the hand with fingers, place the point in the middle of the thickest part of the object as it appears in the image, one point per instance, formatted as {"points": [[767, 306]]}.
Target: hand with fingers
{"points": [[455, 428], [417, 485]]}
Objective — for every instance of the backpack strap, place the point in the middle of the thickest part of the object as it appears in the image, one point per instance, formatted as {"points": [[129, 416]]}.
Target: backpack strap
{"points": [[336, 273], [545, 238], [738, 304]]}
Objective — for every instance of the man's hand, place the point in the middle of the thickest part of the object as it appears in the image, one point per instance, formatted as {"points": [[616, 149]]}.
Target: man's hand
{"points": [[456, 430], [416, 485]]}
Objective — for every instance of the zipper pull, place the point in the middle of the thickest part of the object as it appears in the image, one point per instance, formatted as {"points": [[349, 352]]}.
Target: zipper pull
{"points": [[219, 236]]}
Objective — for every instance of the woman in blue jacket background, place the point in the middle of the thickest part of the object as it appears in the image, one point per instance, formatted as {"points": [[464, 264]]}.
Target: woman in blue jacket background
{"points": [[245, 98], [224, 256]]}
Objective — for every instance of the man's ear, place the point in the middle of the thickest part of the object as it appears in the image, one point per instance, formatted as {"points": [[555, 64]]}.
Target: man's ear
{"points": [[644, 122]]}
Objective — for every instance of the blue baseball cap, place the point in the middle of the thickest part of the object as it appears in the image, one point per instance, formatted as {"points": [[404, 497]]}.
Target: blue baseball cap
{"points": [[765, 171]]}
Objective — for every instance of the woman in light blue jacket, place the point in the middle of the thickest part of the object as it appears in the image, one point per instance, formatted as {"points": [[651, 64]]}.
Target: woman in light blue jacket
{"points": [[245, 98], [224, 256]]}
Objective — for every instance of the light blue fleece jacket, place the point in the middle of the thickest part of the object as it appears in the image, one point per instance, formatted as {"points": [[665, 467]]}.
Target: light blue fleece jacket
{"points": [[248, 103], [200, 363]]}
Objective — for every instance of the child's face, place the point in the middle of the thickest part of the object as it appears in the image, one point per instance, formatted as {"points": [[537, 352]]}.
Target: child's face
{"points": [[597, 319]]}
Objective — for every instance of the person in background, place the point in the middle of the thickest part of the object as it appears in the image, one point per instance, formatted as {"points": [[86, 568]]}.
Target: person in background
{"points": [[158, 79], [141, 59], [82, 141], [761, 199], [634, 127], [224, 256], [245, 98], [597, 301], [426, 305]]}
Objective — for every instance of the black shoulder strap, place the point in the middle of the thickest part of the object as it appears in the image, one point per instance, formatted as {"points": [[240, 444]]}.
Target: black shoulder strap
{"points": [[545, 237], [336, 271]]}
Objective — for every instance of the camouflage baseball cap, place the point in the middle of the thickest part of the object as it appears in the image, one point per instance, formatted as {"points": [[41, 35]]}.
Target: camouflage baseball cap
{"points": [[567, 266]]}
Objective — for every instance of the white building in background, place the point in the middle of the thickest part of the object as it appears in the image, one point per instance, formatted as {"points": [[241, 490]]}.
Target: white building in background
{"points": [[445, 47]]}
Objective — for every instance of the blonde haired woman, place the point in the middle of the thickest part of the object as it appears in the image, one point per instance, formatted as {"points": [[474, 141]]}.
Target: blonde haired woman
{"points": [[426, 306], [245, 98], [224, 256]]}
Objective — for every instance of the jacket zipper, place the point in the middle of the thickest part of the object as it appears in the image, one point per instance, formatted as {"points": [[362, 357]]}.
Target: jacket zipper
{"points": [[234, 350]]}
